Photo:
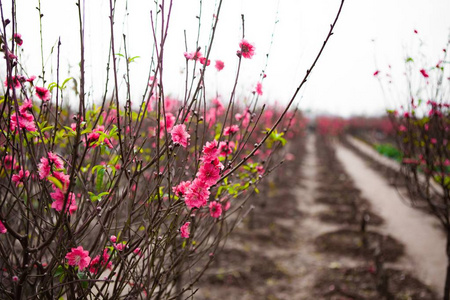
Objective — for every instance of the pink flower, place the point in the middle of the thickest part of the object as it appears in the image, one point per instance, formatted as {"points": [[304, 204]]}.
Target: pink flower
{"points": [[226, 148], [18, 39], [8, 162], [260, 169], [15, 278], [185, 230], [137, 251], [63, 178], [94, 265], [203, 61], [193, 55], [92, 138], [119, 247], [215, 209], [424, 73], [219, 65], [43, 94], [113, 239], [181, 189], [13, 82], [58, 204], [44, 168], [27, 104], [24, 121], [78, 257], [197, 194], [20, 178], [167, 123], [31, 79], [259, 89], [376, 73], [56, 160], [2, 228], [179, 135], [100, 261], [208, 173], [247, 50], [230, 130], [210, 151]]}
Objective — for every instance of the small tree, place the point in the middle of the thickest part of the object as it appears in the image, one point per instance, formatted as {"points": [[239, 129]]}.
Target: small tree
{"points": [[423, 127]]}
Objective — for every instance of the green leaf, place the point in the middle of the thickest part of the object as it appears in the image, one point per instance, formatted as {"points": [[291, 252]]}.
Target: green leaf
{"points": [[84, 283], [51, 86], [59, 271], [92, 196], [47, 128], [131, 59], [409, 59], [99, 183], [94, 169], [56, 182], [63, 86]]}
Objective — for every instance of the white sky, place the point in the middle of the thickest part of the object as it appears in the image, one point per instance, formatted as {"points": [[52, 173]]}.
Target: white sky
{"points": [[370, 35]]}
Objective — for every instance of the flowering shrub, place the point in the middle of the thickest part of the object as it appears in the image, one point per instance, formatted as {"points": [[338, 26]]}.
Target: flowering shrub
{"points": [[422, 133], [110, 200]]}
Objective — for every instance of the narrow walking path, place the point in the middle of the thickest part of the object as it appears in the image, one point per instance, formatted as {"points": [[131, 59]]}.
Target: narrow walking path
{"points": [[425, 243]]}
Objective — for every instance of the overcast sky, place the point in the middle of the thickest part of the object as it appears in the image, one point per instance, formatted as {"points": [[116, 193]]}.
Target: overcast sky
{"points": [[370, 35]]}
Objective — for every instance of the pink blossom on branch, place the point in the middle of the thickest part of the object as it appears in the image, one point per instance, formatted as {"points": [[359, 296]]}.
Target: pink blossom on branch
{"points": [[215, 209], [18, 39], [179, 135], [181, 189], [78, 257], [197, 195], [2, 228], [56, 160], [23, 120], [230, 130], [13, 82], [43, 94], [20, 177], [259, 89], [226, 148], [203, 61], [100, 261], [246, 49], [193, 55], [424, 73], [8, 162], [184, 230], [43, 168], [219, 65], [210, 151], [113, 239], [208, 173], [58, 204]]}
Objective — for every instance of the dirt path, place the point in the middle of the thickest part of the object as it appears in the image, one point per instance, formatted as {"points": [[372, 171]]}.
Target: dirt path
{"points": [[425, 243], [307, 261]]}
